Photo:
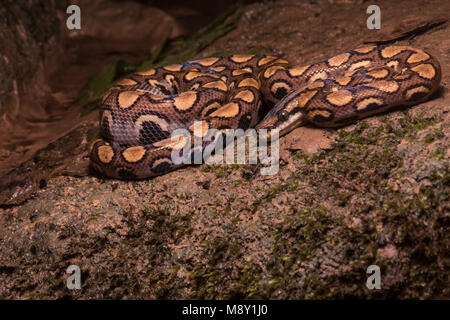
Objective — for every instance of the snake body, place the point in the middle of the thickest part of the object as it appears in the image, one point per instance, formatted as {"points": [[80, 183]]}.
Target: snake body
{"points": [[139, 113]]}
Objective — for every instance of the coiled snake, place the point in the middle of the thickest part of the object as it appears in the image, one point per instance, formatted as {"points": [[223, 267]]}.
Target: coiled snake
{"points": [[139, 113]]}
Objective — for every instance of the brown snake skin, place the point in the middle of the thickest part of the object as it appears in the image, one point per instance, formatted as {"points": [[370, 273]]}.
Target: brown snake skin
{"points": [[139, 113]]}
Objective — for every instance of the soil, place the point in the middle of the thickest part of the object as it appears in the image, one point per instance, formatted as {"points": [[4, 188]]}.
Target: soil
{"points": [[372, 193]]}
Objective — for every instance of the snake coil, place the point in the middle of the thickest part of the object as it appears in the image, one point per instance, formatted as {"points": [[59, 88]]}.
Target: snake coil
{"points": [[139, 113]]}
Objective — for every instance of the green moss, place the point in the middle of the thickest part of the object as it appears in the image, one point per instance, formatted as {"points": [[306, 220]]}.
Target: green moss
{"points": [[90, 96], [221, 171], [306, 226], [439, 153], [258, 51], [93, 218], [354, 177], [433, 136], [216, 279], [248, 171], [155, 55], [167, 225]]}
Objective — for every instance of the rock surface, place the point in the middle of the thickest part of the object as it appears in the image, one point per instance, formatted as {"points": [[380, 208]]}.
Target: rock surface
{"points": [[378, 194], [28, 35]]}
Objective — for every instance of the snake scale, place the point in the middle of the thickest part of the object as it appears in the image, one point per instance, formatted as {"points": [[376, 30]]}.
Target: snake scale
{"points": [[139, 113]]}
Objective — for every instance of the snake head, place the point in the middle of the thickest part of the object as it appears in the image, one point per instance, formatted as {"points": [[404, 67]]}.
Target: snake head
{"points": [[285, 116]]}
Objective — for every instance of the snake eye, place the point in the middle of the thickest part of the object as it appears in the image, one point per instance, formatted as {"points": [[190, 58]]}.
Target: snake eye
{"points": [[283, 115]]}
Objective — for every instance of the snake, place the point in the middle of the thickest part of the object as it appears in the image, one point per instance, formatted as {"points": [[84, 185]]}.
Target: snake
{"points": [[140, 113]]}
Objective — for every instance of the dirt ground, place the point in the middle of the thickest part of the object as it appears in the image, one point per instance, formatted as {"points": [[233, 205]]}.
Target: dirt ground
{"points": [[372, 193]]}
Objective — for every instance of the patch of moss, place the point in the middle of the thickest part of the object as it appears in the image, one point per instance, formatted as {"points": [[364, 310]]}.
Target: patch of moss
{"points": [[433, 136], [412, 124], [258, 51], [90, 96], [353, 178], [220, 277], [168, 225]]}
